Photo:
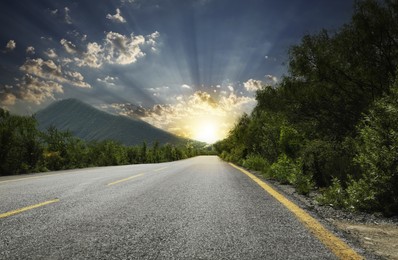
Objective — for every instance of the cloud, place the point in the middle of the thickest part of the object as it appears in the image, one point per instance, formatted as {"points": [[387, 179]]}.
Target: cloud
{"points": [[54, 12], [35, 90], [118, 18], [108, 81], [51, 53], [11, 45], [253, 85], [231, 88], [187, 114], [185, 86], [48, 70], [121, 49], [93, 56], [30, 50], [68, 46], [116, 48], [272, 79], [6, 98], [159, 91], [67, 17]]}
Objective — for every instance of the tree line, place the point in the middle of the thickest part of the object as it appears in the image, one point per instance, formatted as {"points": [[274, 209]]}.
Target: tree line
{"points": [[25, 149], [332, 122]]}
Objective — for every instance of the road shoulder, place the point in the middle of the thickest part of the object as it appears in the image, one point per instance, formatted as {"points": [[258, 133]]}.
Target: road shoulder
{"points": [[372, 235]]}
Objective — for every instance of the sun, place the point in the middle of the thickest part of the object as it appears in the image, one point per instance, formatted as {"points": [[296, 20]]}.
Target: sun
{"points": [[206, 132]]}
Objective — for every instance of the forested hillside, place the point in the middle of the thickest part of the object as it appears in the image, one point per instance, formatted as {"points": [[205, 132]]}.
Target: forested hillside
{"points": [[332, 122], [25, 149]]}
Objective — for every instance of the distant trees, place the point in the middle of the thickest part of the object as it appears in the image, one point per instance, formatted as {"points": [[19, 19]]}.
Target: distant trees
{"points": [[331, 121], [24, 149]]}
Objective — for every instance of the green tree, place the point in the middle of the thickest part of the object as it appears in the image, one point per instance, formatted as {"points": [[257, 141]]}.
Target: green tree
{"points": [[20, 149], [377, 188]]}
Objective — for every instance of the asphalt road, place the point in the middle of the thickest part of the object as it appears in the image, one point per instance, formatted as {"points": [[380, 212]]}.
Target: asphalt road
{"points": [[200, 208]]}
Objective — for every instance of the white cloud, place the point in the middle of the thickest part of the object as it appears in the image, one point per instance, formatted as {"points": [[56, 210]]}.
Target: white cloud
{"points": [[68, 46], [118, 18], [51, 53], [11, 45], [54, 12], [35, 90], [30, 50], [186, 86], [253, 85], [121, 49], [48, 70], [67, 17], [115, 48], [109, 81], [93, 56], [6, 99], [272, 79], [230, 88]]}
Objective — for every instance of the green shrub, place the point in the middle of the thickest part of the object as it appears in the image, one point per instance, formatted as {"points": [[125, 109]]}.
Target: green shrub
{"points": [[256, 162], [325, 160], [284, 170], [377, 146], [335, 195], [302, 182]]}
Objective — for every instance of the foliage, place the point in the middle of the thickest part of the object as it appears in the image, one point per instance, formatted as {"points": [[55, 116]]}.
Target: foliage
{"points": [[377, 146], [256, 162], [24, 149], [334, 195], [332, 121], [20, 149], [284, 170]]}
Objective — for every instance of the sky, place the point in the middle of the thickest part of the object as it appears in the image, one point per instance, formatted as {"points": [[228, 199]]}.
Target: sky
{"points": [[190, 67]]}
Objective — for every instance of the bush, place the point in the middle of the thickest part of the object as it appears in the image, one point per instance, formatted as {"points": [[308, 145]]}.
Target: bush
{"points": [[302, 182], [325, 160], [256, 162], [334, 195], [284, 170], [377, 146]]}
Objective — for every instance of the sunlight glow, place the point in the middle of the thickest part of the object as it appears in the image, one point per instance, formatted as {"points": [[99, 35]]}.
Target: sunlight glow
{"points": [[206, 132]]}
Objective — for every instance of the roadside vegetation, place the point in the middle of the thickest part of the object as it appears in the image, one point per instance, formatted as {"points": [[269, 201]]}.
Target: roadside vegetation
{"points": [[332, 122], [25, 149]]}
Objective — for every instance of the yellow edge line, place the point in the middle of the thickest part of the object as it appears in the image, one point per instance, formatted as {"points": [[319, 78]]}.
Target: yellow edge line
{"points": [[335, 244], [129, 178], [10, 213]]}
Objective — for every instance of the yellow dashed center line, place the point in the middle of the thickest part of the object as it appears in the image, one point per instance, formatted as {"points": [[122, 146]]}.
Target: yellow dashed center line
{"points": [[126, 179], [10, 213], [335, 244]]}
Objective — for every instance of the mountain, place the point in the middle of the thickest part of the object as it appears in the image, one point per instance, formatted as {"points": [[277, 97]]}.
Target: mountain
{"points": [[89, 123]]}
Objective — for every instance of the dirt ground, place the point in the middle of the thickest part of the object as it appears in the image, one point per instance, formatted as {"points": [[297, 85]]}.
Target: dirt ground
{"points": [[382, 239]]}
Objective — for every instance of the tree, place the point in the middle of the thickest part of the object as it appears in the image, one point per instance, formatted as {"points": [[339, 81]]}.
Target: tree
{"points": [[20, 149]]}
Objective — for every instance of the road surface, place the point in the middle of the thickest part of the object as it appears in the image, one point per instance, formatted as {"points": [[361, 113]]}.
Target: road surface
{"points": [[200, 208]]}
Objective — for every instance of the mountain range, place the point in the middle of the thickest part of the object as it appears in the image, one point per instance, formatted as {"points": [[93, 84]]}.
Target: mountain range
{"points": [[90, 123]]}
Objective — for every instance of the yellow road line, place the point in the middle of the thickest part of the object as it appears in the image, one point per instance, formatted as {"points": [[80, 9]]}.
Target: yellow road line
{"points": [[160, 169], [10, 213], [335, 244], [122, 180]]}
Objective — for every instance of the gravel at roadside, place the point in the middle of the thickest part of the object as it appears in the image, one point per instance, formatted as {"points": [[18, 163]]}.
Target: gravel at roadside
{"points": [[374, 236]]}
